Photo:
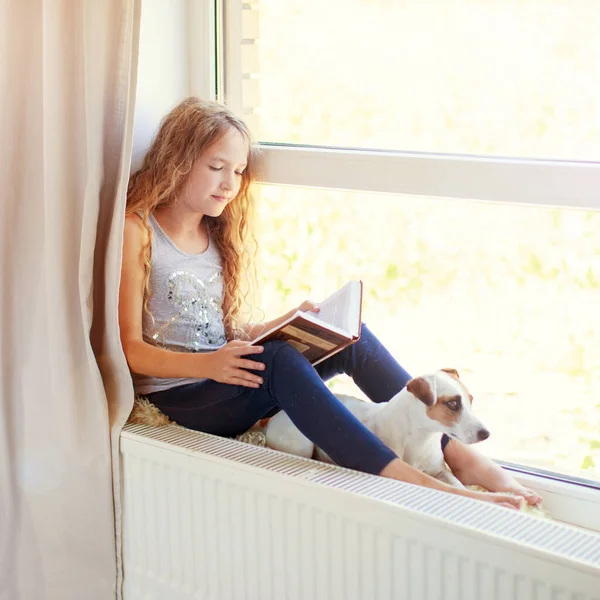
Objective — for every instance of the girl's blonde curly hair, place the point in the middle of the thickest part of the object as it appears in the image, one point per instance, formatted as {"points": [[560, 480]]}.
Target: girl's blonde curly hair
{"points": [[184, 134]]}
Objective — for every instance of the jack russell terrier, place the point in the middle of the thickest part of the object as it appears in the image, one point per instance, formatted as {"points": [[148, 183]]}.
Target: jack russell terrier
{"points": [[411, 423]]}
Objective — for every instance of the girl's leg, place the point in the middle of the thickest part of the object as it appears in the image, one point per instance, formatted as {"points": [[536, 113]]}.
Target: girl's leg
{"points": [[374, 370], [291, 384]]}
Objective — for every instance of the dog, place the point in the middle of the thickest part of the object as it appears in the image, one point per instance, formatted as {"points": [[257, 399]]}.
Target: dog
{"points": [[411, 423]]}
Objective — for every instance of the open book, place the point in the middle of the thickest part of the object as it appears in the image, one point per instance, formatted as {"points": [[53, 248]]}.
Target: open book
{"points": [[319, 335]]}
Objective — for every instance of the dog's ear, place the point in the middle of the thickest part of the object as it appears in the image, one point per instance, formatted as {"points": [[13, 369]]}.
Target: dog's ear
{"points": [[451, 372], [420, 387]]}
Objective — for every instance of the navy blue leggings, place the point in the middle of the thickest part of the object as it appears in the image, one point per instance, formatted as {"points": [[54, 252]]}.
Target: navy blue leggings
{"points": [[293, 385]]}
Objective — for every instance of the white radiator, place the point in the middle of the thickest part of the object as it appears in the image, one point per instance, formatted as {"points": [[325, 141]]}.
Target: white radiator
{"points": [[213, 519]]}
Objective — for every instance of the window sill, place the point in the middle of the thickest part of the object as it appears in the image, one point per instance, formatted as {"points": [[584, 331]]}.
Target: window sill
{"points": [[567, 501]]}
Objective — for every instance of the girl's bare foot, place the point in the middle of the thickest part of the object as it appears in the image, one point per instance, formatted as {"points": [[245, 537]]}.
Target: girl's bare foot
{"points": [[512, 486], [398, 469], [473, 468], [506, 500]]}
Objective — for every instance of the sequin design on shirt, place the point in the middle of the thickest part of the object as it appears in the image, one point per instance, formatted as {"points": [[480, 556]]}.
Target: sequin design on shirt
{"points": [[198, 317]]}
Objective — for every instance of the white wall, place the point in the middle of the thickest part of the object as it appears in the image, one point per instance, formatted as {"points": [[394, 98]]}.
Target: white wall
{"points": [[163, 72]]}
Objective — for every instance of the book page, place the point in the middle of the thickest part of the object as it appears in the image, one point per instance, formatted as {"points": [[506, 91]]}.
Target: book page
{"points": [[342, 308]]}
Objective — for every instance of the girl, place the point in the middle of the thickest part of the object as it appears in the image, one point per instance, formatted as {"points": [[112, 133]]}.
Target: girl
{"points": [[184, 256]]}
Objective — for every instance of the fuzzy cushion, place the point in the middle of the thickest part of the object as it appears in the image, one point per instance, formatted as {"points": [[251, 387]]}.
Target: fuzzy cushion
{"points": [[146, 413]]}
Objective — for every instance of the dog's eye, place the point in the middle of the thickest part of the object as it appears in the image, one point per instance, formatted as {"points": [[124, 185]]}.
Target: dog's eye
{"points": [[453, 404]]}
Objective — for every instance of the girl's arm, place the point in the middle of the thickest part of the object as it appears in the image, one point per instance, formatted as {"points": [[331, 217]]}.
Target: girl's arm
{"points": [[226, 365], [253, 330]]}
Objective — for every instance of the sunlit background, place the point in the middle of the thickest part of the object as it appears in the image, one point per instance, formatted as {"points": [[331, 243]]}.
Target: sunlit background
{"points": [[508, 295]]}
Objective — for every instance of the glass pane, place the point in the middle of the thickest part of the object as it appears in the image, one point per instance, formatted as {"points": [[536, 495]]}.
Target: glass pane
{"points": [[496, 77], [507, 295]]}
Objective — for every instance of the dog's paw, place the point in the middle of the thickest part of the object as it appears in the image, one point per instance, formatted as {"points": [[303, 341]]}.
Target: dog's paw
{"points": [[446, 476]]}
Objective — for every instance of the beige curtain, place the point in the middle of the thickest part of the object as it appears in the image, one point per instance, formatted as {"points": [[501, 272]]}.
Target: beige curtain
{"points": [[67, 81]]}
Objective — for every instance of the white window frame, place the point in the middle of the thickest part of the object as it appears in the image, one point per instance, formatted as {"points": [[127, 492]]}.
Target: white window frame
{"points": [[202, 32], [571, 184], [482, 178]]}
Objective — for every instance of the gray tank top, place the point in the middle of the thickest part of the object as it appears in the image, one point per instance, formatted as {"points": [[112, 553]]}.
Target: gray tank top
{"points": [[185, 305]]}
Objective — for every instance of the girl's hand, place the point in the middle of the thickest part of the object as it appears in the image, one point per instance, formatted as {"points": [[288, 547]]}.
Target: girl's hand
{"points": [[308, 306], [228, 365]]}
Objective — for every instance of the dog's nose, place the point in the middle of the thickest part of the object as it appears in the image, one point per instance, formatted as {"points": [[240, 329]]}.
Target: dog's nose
{"points": [[483, 434]]}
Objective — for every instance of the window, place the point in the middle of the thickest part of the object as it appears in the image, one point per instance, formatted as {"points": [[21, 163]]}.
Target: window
{"points": [[509, 78], [508, 295], [460, 269]]}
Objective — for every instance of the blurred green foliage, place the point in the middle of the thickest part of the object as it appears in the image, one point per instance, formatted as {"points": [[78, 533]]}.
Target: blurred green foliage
{"points": [[509, 295]]}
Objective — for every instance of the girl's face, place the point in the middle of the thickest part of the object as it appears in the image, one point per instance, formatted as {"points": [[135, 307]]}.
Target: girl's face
{"points": [[216, 176]]}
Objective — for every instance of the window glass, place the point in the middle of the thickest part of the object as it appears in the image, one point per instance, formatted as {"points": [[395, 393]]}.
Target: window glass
{"points": [[493, 77], [507, 295]]}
